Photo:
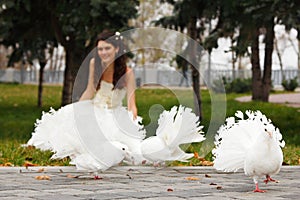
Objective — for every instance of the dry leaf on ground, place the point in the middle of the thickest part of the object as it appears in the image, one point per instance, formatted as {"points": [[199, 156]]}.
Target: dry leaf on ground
{"points": [[219, 187], [71, 176], [41, 169], [207, 163], [29, 164], [7, 164], [42, 177], [207, 176], [192, 178]]}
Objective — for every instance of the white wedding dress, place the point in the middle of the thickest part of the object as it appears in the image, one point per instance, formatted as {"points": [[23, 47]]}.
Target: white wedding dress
{"points": [[96, 134], [100, 133]]}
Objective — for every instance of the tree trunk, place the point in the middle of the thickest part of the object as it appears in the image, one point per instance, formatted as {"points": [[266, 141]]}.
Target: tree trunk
{"points": [[298, 53], [69, 76], [40, 87], [279, 58], [192, 31], [256, 71], [267, 81], [74, 59], [68, 81]]}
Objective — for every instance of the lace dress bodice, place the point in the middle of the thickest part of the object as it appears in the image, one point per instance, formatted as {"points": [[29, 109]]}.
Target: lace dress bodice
{"points": [[107, 97]]}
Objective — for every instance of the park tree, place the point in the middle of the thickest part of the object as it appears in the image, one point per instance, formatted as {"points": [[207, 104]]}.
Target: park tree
{"points": [[250, 19], [288, 14], [27, 33], [190, 16], [72, 23]]}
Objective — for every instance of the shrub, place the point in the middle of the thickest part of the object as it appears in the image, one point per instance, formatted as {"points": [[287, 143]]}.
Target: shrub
{"points": [[290, 85], [237, 85], [240, 85]]}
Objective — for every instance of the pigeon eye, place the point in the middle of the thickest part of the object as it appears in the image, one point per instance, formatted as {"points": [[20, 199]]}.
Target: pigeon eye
{"points": [[123, 149]]}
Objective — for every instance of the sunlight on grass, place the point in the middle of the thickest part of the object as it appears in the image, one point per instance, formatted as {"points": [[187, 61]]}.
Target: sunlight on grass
{"points": [[19, 111]]}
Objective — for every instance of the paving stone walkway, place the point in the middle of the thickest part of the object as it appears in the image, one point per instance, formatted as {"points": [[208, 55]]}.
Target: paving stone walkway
{"points": [[288, 99], [142, 183]]}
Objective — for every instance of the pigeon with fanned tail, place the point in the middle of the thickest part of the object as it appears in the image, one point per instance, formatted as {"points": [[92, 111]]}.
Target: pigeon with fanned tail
{"points": [[175, 127], [253, 144]]}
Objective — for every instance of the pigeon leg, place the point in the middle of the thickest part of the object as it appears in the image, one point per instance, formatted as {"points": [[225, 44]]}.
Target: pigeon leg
{"points": [[268, 178], [96, 177], [257, 189]]}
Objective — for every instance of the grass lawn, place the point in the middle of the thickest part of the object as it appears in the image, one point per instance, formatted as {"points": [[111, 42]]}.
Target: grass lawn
{"points": [[18, 113]]}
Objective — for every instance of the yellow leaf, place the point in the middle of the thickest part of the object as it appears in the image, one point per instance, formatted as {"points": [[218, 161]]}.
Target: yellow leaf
{"points": [[207, 163], [42, 177], [8, 164], [192, 178]]}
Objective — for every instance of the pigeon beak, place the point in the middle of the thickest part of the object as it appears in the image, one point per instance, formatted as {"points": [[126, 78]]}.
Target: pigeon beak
{"points": [[269, 133]]}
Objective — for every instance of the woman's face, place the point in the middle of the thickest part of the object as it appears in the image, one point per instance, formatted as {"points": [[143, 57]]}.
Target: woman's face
{"points": [[106, 52]]}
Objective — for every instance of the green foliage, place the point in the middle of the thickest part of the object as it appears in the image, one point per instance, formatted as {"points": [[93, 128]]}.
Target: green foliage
{"points": [[235, 86], [240, 85], [290, 85], [18, 114], [13, 152], [291, 154], [18, 110]]}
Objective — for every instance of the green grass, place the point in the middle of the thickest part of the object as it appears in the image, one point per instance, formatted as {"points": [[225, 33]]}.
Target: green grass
{"points": [[18, 113]]}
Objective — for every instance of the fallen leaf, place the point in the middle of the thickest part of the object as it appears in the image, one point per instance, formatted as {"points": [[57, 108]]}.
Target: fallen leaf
{"points": [[29, 164], [207, 176], [207, 163], [192, 178], [42, 177], [196, 155], [71, 176], [219, 187], [129, 176], [41, 169], [8, 164], [170, 190]]}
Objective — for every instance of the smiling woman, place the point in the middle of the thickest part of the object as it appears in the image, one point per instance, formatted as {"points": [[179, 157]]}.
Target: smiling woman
{"points": [[98, 132]]}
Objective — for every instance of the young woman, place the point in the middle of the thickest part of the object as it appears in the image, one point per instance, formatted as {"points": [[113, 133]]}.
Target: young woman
{"points": [[97, 132]]}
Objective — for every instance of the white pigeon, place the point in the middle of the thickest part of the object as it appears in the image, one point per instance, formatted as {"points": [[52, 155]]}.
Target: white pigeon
{"points": [[252, 144], [112, 153], [175, 127]]}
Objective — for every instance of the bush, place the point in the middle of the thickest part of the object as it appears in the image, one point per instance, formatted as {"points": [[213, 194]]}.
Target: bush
{"points": [[290, 85], [237, 85], [240, 85]]}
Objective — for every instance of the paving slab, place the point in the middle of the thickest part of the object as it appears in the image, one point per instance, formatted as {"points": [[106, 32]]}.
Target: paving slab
{"points": [[126, 182]]}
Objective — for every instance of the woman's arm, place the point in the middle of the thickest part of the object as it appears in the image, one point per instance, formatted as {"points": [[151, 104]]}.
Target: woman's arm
{"points": [[90, 88], [130, 84]]}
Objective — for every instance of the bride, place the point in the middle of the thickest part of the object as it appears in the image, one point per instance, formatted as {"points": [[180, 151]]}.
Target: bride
{"points": [[97, 132]]}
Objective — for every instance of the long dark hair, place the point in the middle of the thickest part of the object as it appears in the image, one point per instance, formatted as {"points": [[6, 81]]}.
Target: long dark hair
{"points": [[120, 61]]}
